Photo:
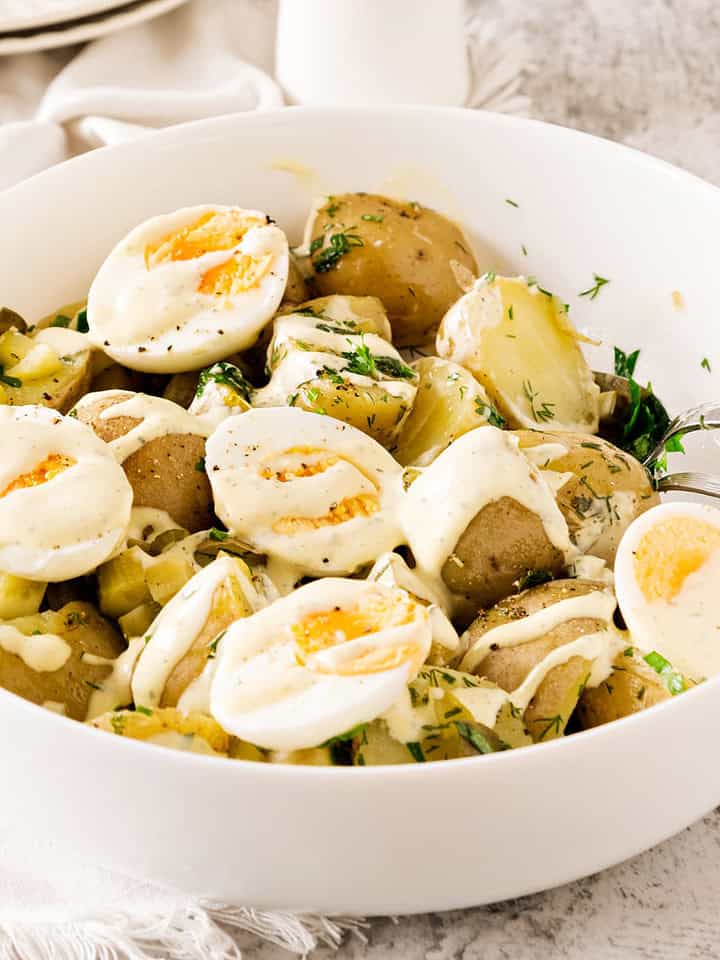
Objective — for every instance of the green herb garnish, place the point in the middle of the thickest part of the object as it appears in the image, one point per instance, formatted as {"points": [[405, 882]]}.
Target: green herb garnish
{"points": [[61, 321], [489, 412], [218, 535], [338, 244], [541, 412], [144, 710], [9, 381], [625, 363], [227, 374], [593, 291], [553, 723], [82, 322], [476, 738], [705, 364], [200, 465], [373, 217], [511, 202], [674, 682], [416, 751], [533, 578]]}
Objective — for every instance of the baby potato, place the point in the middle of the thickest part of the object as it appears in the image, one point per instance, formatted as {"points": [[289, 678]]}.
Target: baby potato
{"points": [[167, 727], [52, 368], [332, 356], [548, 711], [500, 545], [600, 489], [516, 338], [166, 473], [93, 644], [448, 403], [403, 253], [295, 289]]}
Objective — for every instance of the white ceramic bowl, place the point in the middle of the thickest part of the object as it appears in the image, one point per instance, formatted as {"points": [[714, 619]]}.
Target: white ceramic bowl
{"points": [[388, 839]]}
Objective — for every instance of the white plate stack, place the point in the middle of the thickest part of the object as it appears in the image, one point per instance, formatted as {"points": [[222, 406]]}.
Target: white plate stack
{"points": [[27, 25]]}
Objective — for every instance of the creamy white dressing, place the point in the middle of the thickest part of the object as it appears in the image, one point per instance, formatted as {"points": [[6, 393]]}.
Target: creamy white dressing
{"points": [[595, 605], [391, 570], [158, 418], [154, 315], [480, 467], [482, 703], [600, 648], [146, 523], [405, 722], [115, 691], [68, 525], [588, 567], [176, 627], [271, 692], [279, 475], [685, 630], [216, 403], [42, 652], [297, 365]]}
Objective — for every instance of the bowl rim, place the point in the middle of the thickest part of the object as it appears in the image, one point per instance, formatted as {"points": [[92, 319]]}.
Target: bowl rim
{"points": [[214, 127]]}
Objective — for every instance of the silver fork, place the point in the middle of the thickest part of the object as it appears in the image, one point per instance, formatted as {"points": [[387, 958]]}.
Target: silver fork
{"points": [[705, 416]]}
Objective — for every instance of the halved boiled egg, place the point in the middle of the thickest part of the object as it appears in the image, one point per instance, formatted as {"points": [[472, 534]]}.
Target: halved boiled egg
{"points": [[64, 500], [315, 664], [305, 488], [667, 572], [185, 289]]}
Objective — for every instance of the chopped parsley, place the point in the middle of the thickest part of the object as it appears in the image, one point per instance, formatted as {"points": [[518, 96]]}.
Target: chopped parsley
{"points": [[542, 412], [332, 207], [554, 724], [144, 710], [218, 535], [533, 578], [82, 322], [343, 327], [61, 320], [593, 291], [213, 645], [373, 217], [673, 681], [474, 736], [227, 374], [416, 751], [489, 412], [363, 362], [9, 381], [647, 419], [338, 244], [330, 374], [200, 465], [706, 365], [511, 202], [523, 248]]}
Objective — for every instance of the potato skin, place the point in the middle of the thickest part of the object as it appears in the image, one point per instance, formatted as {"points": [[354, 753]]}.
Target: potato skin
{"points": [[163, 473], [550, 709], [403, 258], [599, 470], [632, 686], [500, 545], [82, 627]]}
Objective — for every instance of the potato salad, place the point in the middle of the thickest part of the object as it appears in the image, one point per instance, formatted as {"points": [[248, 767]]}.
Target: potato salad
{"points": [[360, 501]]}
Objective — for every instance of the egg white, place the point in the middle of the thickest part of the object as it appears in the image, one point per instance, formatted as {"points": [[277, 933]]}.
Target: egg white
{"points": [[154, 313], [686, 628], [281, 477], [66, 526], [269, 692]]}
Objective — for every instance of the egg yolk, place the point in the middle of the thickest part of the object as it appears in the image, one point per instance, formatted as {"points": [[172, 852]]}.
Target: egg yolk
{"points": [[236, 275], [329, 628], [669, 552], [48, 468], [350, 508], [307, 467], [213, 231]]}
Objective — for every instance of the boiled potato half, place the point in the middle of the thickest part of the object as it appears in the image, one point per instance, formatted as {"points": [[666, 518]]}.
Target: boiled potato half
{"points": [[91, 645], [403, 253], [556, 696], [517, 340], [167, 472], [167, 727], [448, 403], [600, 489]]}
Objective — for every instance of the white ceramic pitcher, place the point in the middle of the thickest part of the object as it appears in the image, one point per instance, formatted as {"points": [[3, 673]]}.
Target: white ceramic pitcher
{"points": [[353, 52]]}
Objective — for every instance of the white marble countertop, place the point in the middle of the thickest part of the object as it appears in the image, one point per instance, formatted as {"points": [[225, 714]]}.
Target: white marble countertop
{"points": [[647, 73]]}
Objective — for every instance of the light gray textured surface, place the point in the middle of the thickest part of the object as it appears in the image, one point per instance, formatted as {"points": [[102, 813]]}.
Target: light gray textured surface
{"points": [[645, 72]]}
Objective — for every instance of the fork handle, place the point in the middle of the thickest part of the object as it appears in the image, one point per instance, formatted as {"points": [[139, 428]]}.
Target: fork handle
{"points": [[704, 483]]}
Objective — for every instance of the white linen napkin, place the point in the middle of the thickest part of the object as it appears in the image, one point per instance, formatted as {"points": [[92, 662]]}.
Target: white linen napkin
{"points": [[207, 58]]}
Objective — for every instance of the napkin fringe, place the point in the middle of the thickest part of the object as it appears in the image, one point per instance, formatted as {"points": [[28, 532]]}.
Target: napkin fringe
{"points": [[204, 932]]}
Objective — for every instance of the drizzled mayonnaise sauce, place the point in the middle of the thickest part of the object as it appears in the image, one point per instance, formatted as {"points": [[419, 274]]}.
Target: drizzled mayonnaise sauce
{"points": [[157, 418], [307, 489], [178, 624], [480, 467], [64, 501], [42, 652]]}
